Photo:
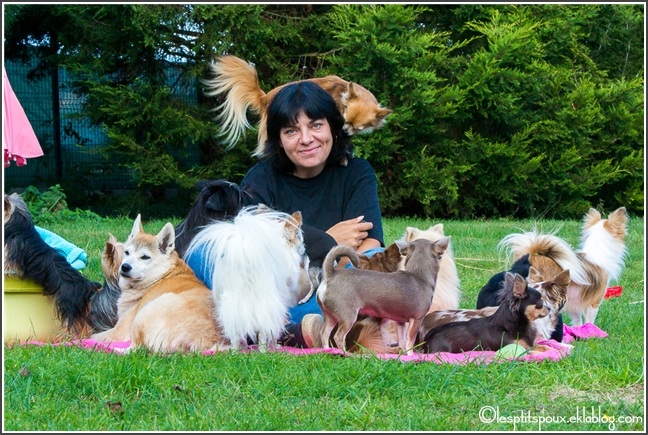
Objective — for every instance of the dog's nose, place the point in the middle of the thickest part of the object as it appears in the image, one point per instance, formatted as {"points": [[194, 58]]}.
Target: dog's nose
{"points": [[125, 268]]}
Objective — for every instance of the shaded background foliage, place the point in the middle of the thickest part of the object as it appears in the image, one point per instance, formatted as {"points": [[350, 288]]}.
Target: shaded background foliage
{"points": [[499, 110]]}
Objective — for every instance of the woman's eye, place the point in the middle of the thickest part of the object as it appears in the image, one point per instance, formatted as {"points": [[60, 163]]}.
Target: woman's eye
{"points": [[317, 125]]}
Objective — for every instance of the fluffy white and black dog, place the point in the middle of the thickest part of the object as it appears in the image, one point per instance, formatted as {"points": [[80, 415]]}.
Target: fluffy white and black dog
{"points": [[255, 262], [29, 256]]}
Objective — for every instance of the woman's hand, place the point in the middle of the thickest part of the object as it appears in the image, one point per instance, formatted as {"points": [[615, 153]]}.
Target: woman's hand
{"points": [[351, 232]]}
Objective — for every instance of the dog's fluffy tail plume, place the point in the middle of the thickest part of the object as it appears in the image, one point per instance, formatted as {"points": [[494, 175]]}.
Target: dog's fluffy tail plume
{"points": [[547, 245], [251, 272], [239, 80]]}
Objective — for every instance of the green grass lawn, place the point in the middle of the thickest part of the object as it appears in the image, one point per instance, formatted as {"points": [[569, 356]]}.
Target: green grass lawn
{"points": [[70, 389]]}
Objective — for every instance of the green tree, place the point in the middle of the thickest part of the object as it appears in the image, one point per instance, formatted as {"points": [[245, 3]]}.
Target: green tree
{"points": [[499, 110]]}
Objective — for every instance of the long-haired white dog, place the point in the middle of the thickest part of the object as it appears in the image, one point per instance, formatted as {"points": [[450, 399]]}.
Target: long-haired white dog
{"points": [[255, 262]]}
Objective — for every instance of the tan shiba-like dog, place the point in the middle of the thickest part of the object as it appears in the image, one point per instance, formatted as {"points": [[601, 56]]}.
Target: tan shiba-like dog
{"points": [[163, 305], [360, 109]]}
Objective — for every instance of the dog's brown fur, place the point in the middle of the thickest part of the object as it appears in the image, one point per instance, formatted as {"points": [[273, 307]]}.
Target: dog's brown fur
{"points": [[172, 310], [234, 76], [554, 295], [402, 296], [385, 261]]}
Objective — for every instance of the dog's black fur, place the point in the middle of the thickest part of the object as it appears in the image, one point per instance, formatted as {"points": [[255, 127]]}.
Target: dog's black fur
{"points": [[217, 200], [509, 324], [29, 256], [489, 295]]}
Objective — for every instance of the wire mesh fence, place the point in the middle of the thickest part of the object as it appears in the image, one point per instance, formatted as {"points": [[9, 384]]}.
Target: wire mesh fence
{"points": [[81, 143]]}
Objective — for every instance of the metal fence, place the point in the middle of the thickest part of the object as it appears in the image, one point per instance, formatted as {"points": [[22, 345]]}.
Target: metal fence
{"points": [[81, 142]]}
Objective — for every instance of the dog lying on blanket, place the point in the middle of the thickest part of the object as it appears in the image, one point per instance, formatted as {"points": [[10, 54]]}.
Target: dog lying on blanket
{"points": [[512, 322], [163, 305]]}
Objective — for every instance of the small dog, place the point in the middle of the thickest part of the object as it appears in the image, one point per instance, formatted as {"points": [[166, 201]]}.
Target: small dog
{"points": [[554, 294], [255, 262], [448, 292], [103, 308], [388, 260], [28, 256], [402, 296], [490, 293], [163, 306], [217, 200], [358, 106], [599, 260], [512, 322]]}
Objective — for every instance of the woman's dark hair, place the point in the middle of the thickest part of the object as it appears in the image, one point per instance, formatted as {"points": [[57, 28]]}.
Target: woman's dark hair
{"points": [[314, 102]]}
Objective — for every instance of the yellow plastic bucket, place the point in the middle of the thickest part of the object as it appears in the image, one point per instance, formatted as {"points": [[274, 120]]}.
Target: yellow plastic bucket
{"points": [[28, 314]]}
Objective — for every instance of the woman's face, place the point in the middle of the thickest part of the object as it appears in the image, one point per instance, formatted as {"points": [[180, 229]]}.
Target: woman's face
{"points": [[308, 144]]}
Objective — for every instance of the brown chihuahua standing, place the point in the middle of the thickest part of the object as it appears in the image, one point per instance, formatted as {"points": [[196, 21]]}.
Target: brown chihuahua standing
{"points": [[402, 296]]}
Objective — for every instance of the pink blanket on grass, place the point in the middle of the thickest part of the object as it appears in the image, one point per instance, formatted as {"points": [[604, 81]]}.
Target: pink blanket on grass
{"points": [[556, 352]]}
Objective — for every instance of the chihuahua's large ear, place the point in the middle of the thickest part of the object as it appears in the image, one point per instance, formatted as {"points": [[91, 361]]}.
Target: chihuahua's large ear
{"points": [[535, 275], [112, 239], [592, 217], [352, 91], [292, 226], [441, 245], [562, 279], [297, 216], [137, 227], [166, 238], [411, 233], [383, 113], [519, 286], [402, 246]]}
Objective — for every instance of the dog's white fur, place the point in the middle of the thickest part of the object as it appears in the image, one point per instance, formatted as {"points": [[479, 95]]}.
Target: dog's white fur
{"points": [[448, 290], [255, 262]]}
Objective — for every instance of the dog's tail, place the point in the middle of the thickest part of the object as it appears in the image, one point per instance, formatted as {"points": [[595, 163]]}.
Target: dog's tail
{"points": [[548, 245], [239, 80], [103, 309], [338, 251]]}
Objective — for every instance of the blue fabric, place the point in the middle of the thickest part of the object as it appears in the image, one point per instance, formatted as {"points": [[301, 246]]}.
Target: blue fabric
{"points": [[197, 264], [297, 313], [74, 255]]}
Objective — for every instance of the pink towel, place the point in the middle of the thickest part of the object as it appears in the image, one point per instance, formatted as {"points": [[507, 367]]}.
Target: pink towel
{"points": [[588, 330], [20, 141], [556, 352]]}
